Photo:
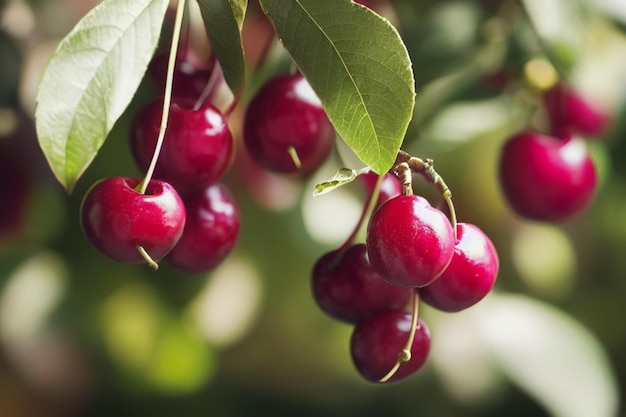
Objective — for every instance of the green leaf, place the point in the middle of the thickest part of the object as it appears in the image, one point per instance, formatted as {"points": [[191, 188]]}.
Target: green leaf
{"points": [[549, 355], [90, 80], [359, 67], [223, 20], [342, 177]]}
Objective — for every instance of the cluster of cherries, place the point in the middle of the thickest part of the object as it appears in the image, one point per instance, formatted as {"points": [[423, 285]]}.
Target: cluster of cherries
{"points": [[551, 176], [413, 252], [184, 213]]}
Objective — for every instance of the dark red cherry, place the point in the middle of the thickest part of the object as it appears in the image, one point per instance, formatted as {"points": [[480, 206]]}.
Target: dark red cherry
{"points": [[116, 218], [286, 114], [470, 275], [567, 109], [547, 178], [377, 341], [409, 242], [197, 148], [211, 231], [346, 287], [190, 77], [389, 188]]}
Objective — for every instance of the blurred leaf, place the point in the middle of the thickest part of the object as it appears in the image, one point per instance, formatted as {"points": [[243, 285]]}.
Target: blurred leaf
{"points": [[342, 177], [90, 80], [223, 20], [562, 28], [359, 67], [549, 355]]}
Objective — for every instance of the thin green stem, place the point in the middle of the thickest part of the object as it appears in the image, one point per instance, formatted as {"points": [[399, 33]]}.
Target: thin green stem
{"points": [[167, 96], [405, 354]]}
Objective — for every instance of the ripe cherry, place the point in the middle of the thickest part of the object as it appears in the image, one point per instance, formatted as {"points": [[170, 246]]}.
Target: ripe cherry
{"points": [[547, 178], [377, 341], [211, 230], [348, 288], [567, 109], [285, 118], [189, 79], [409, 242], [197, 148], [389, 188], [470, 275], [116, 218]]}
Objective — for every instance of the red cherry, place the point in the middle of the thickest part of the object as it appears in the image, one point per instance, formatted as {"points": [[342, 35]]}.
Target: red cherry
{"points": [[547, 178], [211, 231], [197, 148], [116, 218], [567, 109], [409, 242], [285, 114], [189, 79], [389, 188], [470, 275], [349, 289], [377, 341]]}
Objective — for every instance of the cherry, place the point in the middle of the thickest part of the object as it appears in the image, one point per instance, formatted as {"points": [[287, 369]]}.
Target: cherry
{"points": [[377, 341], [546, 178], [409, 242], [116, 218], [346, 287], [190, 77], [286, 115], [197, 148], [211, 230], [389, 188], [470, 275], [567, 109]]}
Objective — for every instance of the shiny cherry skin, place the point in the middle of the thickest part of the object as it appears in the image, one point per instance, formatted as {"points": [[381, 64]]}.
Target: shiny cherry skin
{"points": [[346, 287], [211, 231], [116, 218], [197, 148], [567, 109], [547, 178], [389, 188], [377, 341], [470, 276], [286, 113], [189, 79], [409, 242]]}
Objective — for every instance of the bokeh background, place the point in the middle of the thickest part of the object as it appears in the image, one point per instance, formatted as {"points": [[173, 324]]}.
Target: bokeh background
{"points": [[83, 336]]}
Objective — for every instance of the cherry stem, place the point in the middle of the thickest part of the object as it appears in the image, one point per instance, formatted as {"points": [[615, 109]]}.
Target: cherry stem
{"points": [[426, 168], [368, 209], [209, 87], [405, 354], [293, 153], [148, 258], [167, 97]]}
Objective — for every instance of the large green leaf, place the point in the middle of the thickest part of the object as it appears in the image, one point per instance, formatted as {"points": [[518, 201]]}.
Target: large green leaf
{"points": [[90, 80], [223, 20], [359, 67]]}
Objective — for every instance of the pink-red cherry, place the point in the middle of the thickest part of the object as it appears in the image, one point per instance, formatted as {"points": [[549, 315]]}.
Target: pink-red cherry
{"points": [[568, 110], [377, 341], [287, 114], [389, 188], [547, 178], [116, 218], [346, 287], [197, 148], [469, 277], [189, 80], [211, 231], [409, 242]]}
